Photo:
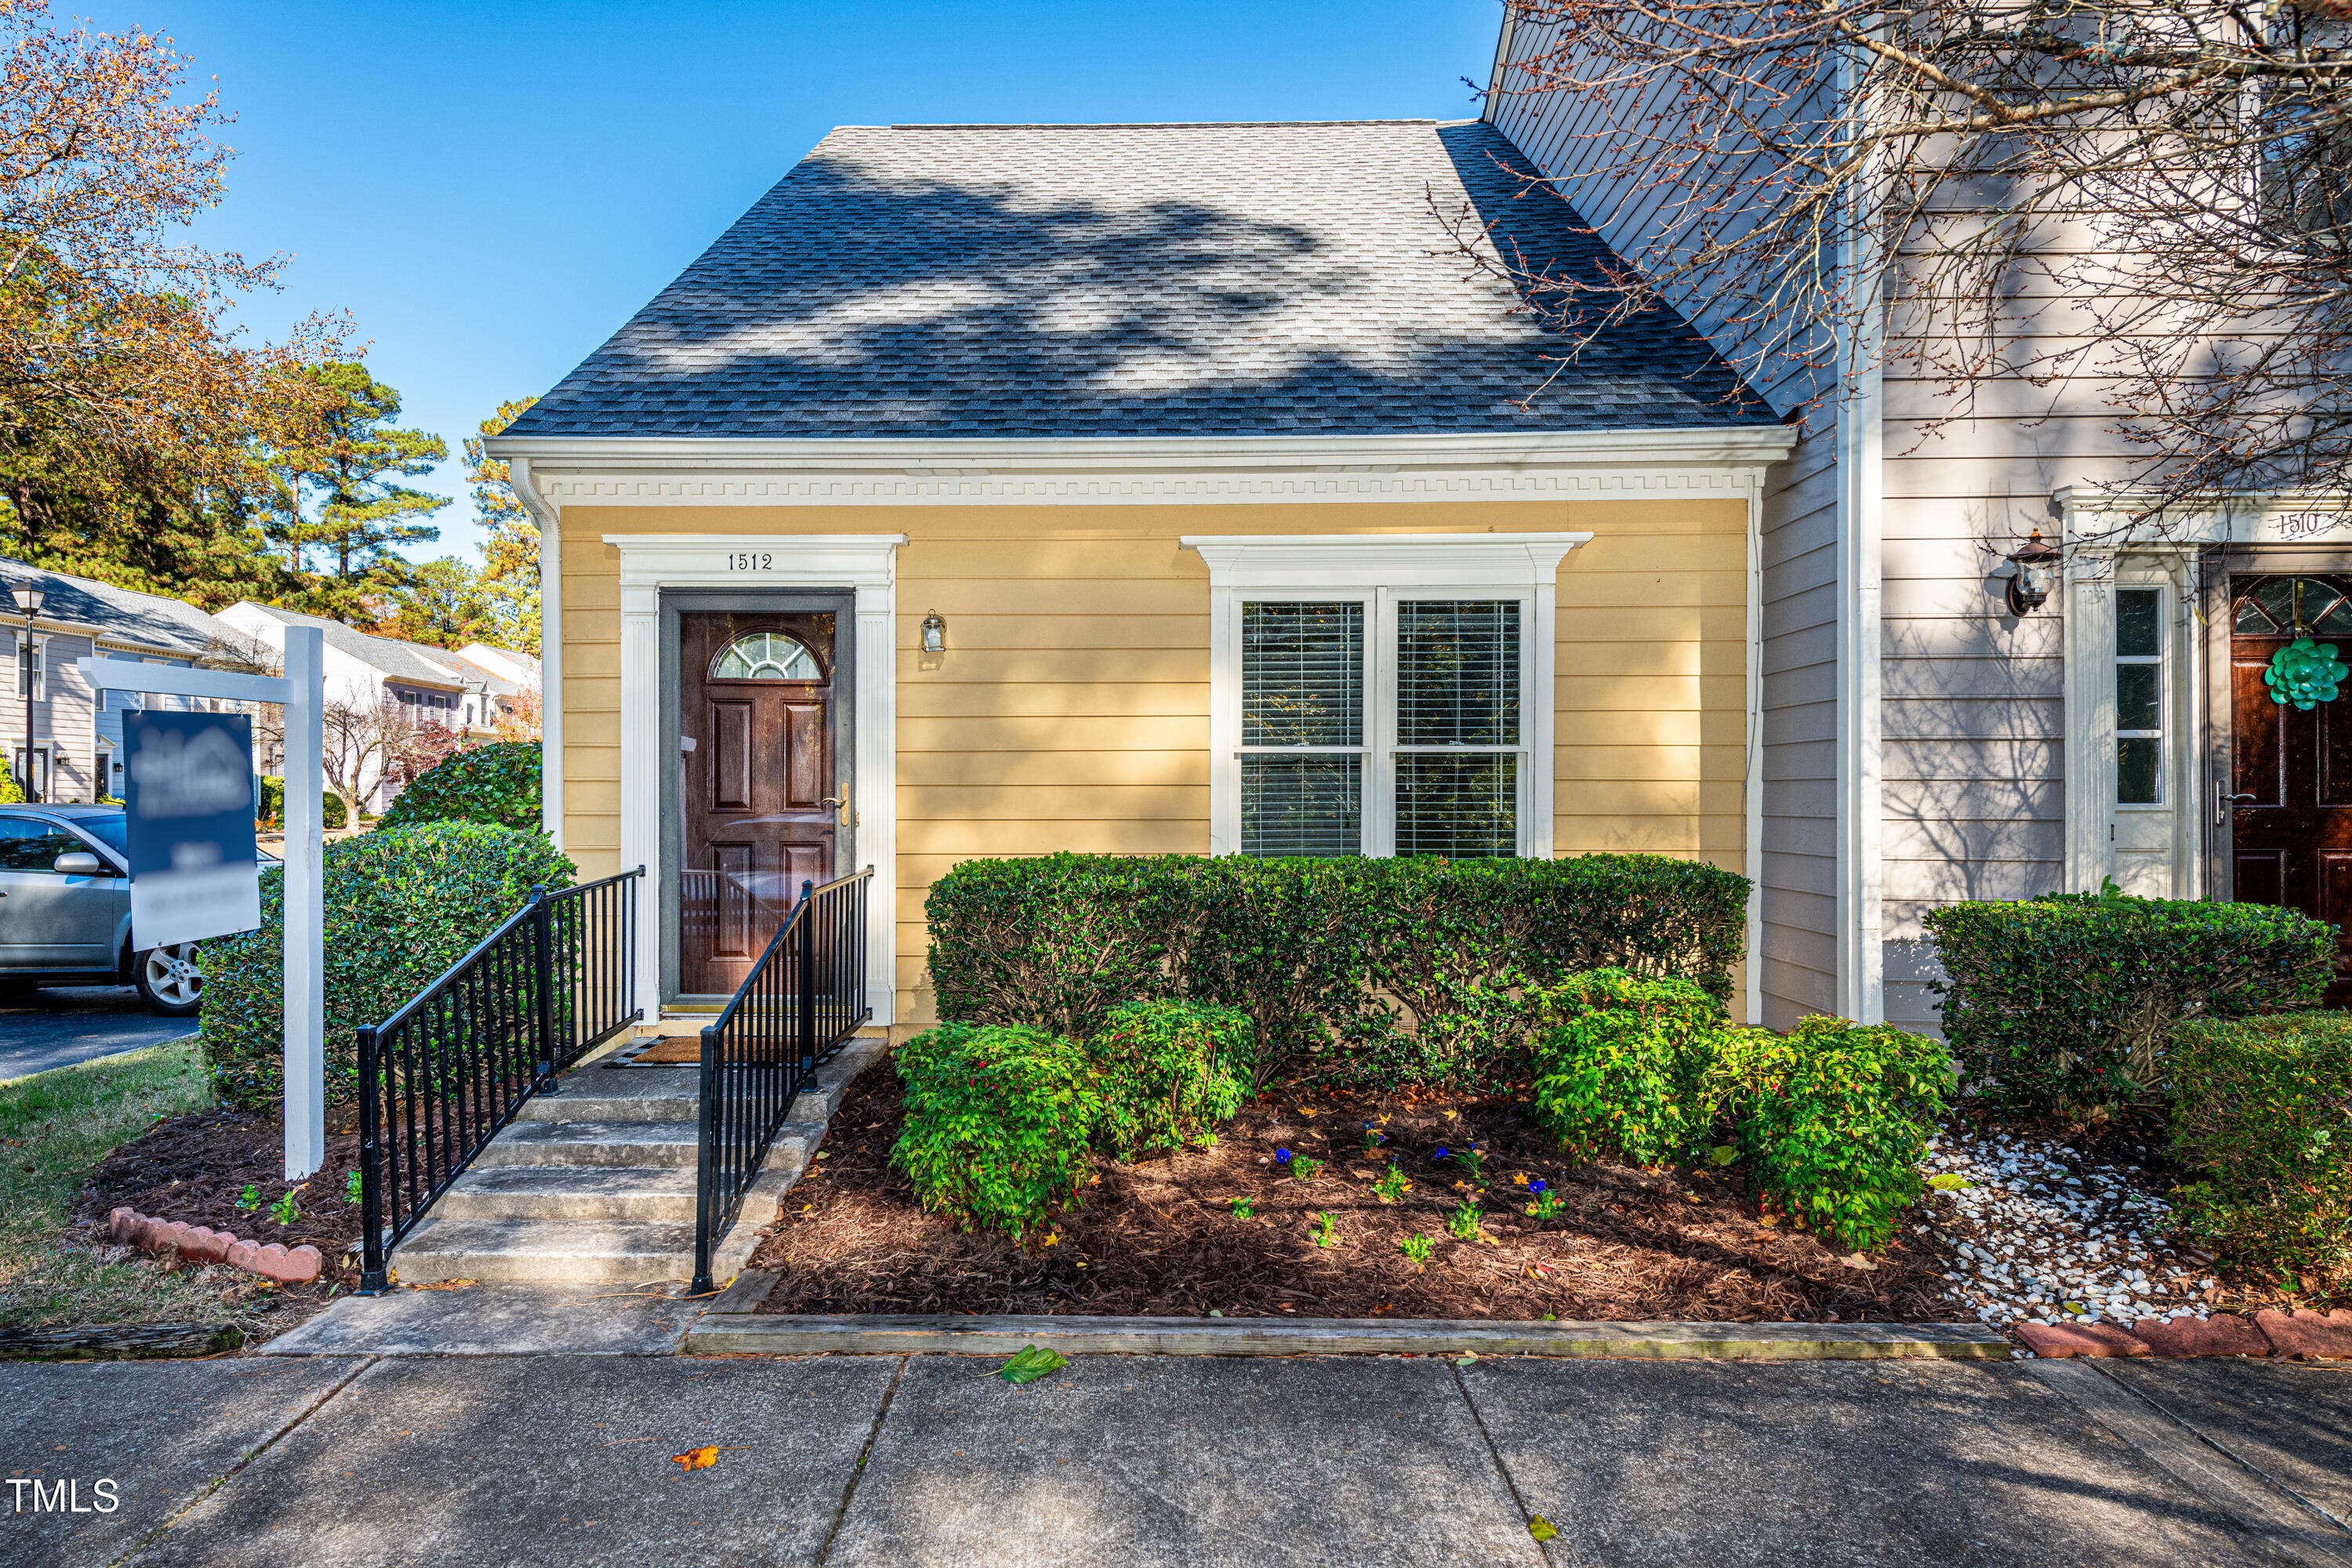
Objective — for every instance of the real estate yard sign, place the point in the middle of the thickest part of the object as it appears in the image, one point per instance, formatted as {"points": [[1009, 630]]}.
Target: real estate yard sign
{"points": [[189, 810]]}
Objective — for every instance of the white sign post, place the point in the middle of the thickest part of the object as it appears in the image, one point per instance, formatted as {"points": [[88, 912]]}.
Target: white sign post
{"points": [[301, 691]]}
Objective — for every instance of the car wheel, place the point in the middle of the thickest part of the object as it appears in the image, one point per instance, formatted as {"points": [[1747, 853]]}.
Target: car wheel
{"points": [[168, 979]]}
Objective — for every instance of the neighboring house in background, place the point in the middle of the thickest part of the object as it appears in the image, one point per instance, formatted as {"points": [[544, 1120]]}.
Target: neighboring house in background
{"points": [[992, 490], [77, 728], [1923, 743], [432, 685]]}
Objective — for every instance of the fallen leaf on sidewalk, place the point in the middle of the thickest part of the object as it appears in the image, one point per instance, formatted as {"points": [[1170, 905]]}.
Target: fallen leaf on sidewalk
{"points": [[697, 1458], [1541, 1528], [1029, 1363]]}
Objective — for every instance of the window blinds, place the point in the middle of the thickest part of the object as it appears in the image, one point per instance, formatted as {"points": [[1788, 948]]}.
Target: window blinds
{"points": [[1457, 688], [1303, 675]]}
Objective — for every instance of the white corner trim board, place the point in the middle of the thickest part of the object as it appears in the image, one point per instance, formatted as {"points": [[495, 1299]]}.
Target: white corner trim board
{"points": [[866, 563], [1373, 568]]}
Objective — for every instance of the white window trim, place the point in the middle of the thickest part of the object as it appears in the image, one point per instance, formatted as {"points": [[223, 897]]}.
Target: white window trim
{"points": [[2092, 812], [1373, 569], [866, 563]]}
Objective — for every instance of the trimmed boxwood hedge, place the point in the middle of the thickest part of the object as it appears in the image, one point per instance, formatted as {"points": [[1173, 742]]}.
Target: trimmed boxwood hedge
{"points": [[403, 904], [498, 783], [1374, 970], [2061, 1004], [2262, 1106]]}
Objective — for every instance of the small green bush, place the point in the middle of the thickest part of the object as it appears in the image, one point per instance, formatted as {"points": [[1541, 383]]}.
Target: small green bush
{"points": [[1379, 972], [2263, 1106], [998, 1123], [1833, 1120], [498, 783], [1621, 1064], [403, 904], [2061, 1004], [273, 805], [1172, 1073]]}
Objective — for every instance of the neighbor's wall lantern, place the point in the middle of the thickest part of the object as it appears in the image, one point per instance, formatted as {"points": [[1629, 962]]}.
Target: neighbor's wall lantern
{"points": [[2036, 563], [935, 634]]}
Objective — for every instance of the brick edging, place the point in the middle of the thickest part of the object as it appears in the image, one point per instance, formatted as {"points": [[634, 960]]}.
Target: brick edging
{"points": [[2270, 1333]]}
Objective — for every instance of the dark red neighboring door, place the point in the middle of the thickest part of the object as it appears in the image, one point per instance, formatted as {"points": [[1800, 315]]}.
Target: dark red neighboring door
{"points": [[2291, 828], [756, 702]]}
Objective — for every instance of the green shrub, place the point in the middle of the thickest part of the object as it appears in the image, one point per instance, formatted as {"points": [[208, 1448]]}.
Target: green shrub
{"points": [[1172, 1074], [1367, 970], [2062, 1005], [1833, 1120], [2263, 1106], [1621, 1066], [273, 805], [498, 783], [998, 1119], [403, 904]]}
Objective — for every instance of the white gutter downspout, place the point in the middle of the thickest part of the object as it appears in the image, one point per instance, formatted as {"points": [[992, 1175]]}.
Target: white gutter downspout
{"points": [[1862, 951], [551, 648]]}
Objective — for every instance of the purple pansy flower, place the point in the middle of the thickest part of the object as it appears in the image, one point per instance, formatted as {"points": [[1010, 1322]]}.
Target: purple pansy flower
{"points": [[1282, 1156]]}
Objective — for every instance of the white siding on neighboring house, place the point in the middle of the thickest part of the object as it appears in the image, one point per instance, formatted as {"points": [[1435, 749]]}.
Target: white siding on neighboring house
{"points": [[1967, 731]]}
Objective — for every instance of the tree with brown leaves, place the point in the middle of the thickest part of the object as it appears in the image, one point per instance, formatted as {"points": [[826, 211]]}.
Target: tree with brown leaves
{"points": [[138, 428]]}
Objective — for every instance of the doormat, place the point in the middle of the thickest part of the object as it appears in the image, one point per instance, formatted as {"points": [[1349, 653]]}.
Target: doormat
{"points": [[660, 1051]]}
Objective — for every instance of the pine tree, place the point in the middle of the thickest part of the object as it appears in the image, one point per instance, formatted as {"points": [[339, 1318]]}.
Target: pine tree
{"points": [[343, 550], [510, 577]]}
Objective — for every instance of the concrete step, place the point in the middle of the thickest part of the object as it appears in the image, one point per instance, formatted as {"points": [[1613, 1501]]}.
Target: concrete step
{"points": [[657, 1193], [619, 1094], [609, 1252], [592, 1143]]}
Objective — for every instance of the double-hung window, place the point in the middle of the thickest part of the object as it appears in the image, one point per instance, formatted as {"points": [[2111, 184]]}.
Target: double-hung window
{"points": [[1382, 695]]}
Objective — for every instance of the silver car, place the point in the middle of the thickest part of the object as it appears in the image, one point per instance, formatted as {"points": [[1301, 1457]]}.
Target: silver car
{"points": [[65, 908]]}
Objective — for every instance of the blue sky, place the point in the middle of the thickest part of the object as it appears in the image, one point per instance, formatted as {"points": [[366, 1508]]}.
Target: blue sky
{"points": [[490, 189]]}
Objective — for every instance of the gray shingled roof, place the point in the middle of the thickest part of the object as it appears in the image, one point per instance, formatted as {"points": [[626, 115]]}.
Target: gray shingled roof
{"points": [[148, 619], [410, 662], [1129, 281]]}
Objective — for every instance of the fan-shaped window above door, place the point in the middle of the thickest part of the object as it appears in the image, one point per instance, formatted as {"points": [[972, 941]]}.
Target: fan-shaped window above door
{"points": [[765, 656], [2292, 606]]}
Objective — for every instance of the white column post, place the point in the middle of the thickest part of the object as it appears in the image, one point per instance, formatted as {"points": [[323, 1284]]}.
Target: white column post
{"points": [[306, 908], [642, 761]]}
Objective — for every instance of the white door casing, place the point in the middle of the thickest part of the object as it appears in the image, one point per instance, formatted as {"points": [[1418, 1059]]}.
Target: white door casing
{"points": [[865, 563]]}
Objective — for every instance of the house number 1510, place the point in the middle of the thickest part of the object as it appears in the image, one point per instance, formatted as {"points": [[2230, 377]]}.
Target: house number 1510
{"points": [[751, 560]]}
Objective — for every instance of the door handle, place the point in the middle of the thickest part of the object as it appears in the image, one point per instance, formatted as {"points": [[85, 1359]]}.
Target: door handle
{"points": [[2224, 800], [842, 813]]}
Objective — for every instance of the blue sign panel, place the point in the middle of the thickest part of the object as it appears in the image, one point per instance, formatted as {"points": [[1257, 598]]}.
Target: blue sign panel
{"points": [[189, 810]]}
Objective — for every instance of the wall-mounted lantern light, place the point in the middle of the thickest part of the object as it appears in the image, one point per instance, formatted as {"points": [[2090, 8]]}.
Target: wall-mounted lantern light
{"points": [[2036, 563], [935, 634]]}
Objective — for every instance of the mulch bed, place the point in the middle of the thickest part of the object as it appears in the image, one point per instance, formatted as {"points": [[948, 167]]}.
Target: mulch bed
{"points": [[194, 1168], [1161, 1239]]}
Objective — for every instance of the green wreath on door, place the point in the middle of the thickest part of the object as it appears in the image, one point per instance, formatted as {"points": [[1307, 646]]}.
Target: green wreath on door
{"points": [[2305, 674]]}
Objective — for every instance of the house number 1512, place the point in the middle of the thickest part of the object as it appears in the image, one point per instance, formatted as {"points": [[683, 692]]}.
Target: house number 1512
{"points": [[751, 560]]}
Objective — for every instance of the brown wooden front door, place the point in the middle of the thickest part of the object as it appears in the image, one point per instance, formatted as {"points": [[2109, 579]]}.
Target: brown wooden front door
{"points": [[2291, 822], [759, 784]]}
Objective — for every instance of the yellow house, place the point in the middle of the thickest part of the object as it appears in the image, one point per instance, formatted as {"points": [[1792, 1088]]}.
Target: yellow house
{"points": [[991, 490]]}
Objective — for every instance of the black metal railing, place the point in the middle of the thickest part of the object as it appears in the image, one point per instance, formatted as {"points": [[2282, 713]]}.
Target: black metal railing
{"points": [[442, 1075], [804, 997]]}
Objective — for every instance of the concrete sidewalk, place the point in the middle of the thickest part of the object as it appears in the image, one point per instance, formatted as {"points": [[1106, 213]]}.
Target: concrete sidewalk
{"points": [[1146, 1461]]}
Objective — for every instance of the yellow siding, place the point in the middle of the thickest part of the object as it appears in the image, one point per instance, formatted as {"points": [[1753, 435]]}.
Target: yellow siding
{"points": [[1071, 709]]}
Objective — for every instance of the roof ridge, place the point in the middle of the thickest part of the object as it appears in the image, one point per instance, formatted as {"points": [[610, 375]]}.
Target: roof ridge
{"points": [[1129, 124]]}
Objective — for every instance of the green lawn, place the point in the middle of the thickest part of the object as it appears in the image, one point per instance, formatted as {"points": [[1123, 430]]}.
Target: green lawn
{"points": [[55, 1126]]}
